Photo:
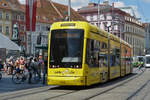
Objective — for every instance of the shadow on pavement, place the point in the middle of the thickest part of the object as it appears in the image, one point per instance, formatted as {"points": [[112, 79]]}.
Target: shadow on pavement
{"points": [[6, 84]]}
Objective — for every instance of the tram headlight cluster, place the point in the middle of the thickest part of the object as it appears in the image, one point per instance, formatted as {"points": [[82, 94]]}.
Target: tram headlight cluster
{"points": [[75, 66], [54, 66], [72, 66]]}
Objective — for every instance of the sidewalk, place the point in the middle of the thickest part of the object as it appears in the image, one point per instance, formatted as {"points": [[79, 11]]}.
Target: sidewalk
{"points": [[6, 84]]}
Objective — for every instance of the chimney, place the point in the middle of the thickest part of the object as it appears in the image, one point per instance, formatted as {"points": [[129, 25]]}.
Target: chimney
{"points": [[106, 3], [92, 4]]}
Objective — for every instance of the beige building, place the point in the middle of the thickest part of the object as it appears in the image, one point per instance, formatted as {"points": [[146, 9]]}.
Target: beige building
{"points": [[5, 18], [134, 32]]}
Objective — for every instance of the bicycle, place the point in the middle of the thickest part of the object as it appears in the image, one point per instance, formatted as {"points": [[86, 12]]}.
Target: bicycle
{"points": [[141, 67], [21, 76]]}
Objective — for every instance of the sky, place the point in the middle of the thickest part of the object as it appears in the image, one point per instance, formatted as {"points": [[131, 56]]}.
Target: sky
{"points": [[140, 7]]}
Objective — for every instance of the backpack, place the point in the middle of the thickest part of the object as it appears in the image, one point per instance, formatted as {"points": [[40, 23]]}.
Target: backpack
{"points": [[30, 65]]}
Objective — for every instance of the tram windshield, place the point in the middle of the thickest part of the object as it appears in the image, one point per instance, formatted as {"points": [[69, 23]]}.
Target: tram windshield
{"points": [[148, 60], [66, 47]]}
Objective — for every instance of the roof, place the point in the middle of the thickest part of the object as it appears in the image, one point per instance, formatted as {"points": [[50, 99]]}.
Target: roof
{"points": [[50, 12], [103, 9], [5, 5], [5, 42], [47, 10], [12, 5]]}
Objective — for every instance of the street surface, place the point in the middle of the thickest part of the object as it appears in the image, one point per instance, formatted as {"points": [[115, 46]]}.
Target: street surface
{"points": [[132, 87]]}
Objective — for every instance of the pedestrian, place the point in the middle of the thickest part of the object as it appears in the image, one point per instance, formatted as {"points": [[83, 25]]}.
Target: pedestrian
{"points": [[45, 69], [1, 65], [36, 68], [22, 63], [30, 67], [41, 65], [5, 67], [10, 65]]}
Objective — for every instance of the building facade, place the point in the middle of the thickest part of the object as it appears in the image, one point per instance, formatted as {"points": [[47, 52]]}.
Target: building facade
{"points": [[147, 40], [5, 19], [12, 22], [116, 22]]}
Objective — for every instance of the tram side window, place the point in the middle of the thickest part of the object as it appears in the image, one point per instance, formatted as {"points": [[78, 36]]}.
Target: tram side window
{"points": [[93, 48], [117, 53], [103, 55], [104, 45], [115, 57]]}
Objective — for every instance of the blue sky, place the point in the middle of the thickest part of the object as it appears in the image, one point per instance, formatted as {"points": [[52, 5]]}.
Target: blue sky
{"points": [[141, 7]]}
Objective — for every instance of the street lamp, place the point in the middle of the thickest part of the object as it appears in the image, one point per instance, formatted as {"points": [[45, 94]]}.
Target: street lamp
{"points": [[69, 10], [98, 14], [108, 56]]}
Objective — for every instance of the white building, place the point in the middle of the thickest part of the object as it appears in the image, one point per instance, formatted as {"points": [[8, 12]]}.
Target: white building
{"points": [[118, 23]]}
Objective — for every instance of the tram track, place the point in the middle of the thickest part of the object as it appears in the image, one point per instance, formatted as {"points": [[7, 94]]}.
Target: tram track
{"points": [[107, 90], [63, 94], [24, 93], [138, 90]]}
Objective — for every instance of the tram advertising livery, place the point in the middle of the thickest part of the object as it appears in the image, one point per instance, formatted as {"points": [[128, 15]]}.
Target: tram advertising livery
{"points": [[80, 54]]}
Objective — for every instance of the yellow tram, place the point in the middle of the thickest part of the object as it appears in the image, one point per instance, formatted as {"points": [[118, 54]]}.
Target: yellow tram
{"points": [[80, 54]]}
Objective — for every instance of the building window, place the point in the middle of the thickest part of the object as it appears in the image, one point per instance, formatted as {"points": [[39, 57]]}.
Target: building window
{"points": [[1, 29], [4, 4], [7, 16], [1, 15], [38, 17], [7, 30], [22, 17], [88, 18], [22, 28], [43, 28], [95, 18], [37, 27], [91, 18]]}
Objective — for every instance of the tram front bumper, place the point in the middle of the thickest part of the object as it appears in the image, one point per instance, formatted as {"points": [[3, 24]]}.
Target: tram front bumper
{"points": [[72, 81]]}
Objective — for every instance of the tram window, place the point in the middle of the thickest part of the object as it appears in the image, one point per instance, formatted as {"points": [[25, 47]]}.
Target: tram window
{"points": [[92, 45], [104, 45], [115, 57], [93, 49]]}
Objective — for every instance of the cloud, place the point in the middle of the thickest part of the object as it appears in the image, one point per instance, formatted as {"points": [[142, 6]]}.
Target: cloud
{"points": [[147, 1], [132, 11], [22, 1]]}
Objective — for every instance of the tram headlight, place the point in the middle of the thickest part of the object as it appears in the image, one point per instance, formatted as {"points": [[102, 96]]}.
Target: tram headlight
{"points": [[77, 66]]}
